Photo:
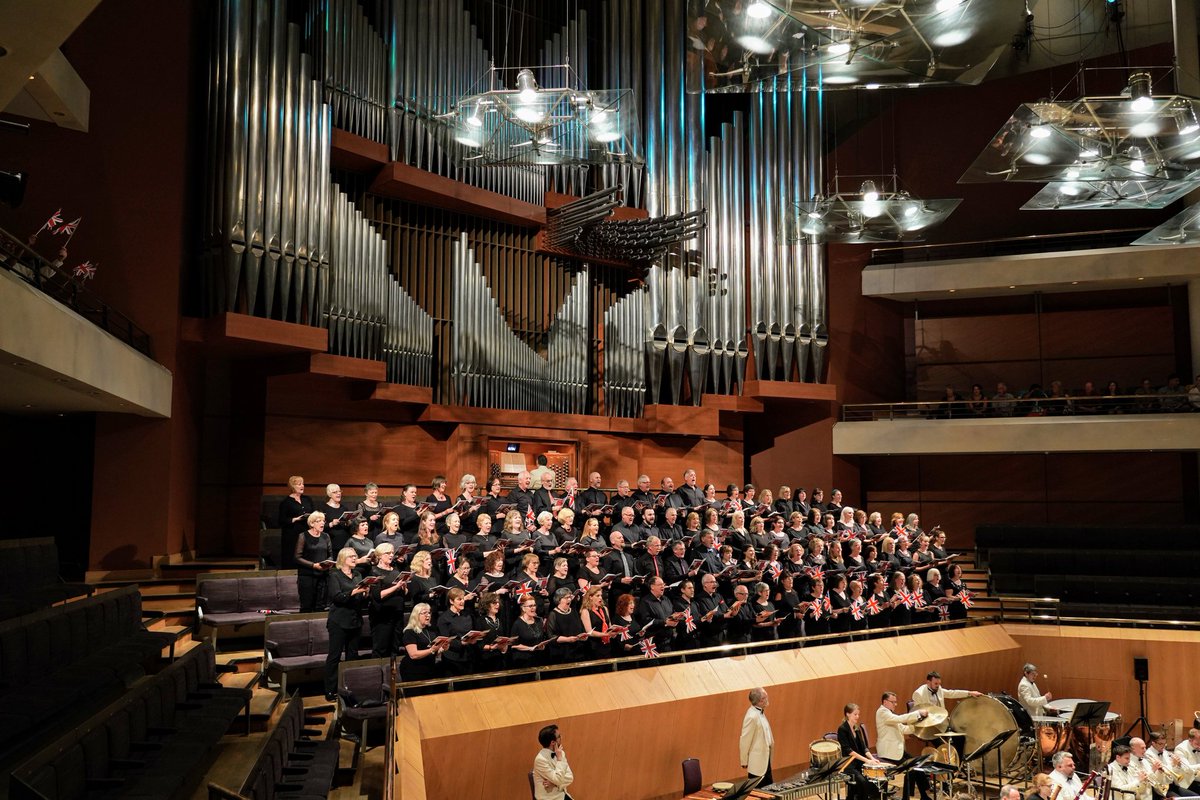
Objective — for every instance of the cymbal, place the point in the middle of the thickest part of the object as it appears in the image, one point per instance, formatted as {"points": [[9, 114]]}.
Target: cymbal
{"points": [[937, 715], [950, 734]]}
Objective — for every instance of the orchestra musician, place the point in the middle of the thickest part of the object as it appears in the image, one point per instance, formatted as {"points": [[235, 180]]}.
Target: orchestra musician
{"points": [[1030, 696], [1184, 773], [1126, 779], [1063, 776], [853, 739], [890, 730], [1188, 751], [1153, 770], [1042, 788], [551, 772], [931, 693], [756, 742]]}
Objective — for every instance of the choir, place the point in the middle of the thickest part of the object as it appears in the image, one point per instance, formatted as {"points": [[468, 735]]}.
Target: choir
{"points": [[481, 582]]}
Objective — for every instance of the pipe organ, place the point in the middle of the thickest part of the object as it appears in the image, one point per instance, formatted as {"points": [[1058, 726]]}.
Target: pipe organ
{"points": [[465, 304]]}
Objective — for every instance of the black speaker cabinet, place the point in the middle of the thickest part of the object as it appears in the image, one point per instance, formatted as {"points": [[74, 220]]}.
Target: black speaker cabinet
{"points": [[1141, 669]]}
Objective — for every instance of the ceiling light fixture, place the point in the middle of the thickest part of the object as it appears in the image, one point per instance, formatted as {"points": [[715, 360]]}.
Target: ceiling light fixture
{"points": [[879, 211]]}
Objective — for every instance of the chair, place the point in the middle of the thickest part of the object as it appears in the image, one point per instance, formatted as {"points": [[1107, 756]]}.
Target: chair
{"points": [[532, 793], [692, 782], [831, 736]]}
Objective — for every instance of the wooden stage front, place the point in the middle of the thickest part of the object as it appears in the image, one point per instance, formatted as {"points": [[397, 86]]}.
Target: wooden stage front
{"points": [[626, 733]]}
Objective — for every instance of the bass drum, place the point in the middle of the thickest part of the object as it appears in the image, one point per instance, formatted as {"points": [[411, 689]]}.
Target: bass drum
{"points": [[985, 717]]}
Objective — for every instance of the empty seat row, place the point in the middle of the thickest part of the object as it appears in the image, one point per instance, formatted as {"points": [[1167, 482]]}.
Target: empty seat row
{"points": [[291, 763], [154, 742], [363, 691], [29, 577], [73, 657], [231, 603], [1144, 561], [300, 644]]}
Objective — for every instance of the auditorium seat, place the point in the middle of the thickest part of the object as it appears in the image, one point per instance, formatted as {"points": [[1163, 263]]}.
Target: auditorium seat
{"points": [[692, 780], [29, 577], [362, 692], [236, 603]]}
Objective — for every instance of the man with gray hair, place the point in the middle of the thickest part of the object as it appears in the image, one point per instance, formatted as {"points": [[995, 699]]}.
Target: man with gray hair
{"points": [[1030, 696], [1063, 776], [757, 743], [1009, 792]]}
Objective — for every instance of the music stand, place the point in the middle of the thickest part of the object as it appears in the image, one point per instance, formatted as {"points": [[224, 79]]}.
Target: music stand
{"points": [[981, 752], [827, 770], [742, 788], [1090, 713]]}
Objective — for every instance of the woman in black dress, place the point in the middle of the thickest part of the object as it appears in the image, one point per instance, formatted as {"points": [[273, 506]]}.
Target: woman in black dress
{"points": [[344, 624], [333, 509], [565, 627], [877, 591], [545, 545], [387, 604], [439, 502], [858, 610], [490, 657], [816, 617], [955, 584], [839, 600], [788, 602], [560, 578], [407, 510], [853, 739], [766, 627], [362, 546], [293, 520], [530, 633], [422, 578], [312, 552], [593, 616], [422, 658], [901, 610], [390, 532], [626, 644], [371, 508], [455, 622]]}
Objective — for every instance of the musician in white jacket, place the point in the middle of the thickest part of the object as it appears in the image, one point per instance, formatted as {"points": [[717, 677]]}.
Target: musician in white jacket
{"points": [[1184, 774], [1031, 697], [1127, 778], [1063, 776], [757, 742], [551, 772], [890, 730]]}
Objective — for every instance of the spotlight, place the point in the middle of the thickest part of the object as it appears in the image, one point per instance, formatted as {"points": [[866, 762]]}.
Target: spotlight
{"points": [[758, 9], [527, 88], [869, 191], [12, 188], [1139, 92]]}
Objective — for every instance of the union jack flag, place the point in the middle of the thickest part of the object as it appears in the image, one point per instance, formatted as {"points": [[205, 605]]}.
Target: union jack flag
{"points": [[776, 570], [873, 606], [70, 227], [648, 648], [624, 635], [906, 598], [856, 609], [569, 500], [828, 605], [522, 591], [451, 560], [689, 623], [967, 599], [816, 573], [84, 271], [816, 610], [530, 519], [54, 221], [943, 612]]}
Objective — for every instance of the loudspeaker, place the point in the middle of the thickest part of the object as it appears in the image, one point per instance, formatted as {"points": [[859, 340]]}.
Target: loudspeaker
{"points": [[1141, 669], [12, 188]]}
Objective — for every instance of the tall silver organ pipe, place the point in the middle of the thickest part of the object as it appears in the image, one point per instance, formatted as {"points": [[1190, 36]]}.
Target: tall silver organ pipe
{"points": [[624, 369]]}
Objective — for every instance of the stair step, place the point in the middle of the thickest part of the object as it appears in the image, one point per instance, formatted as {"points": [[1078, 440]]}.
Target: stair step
{"points": [[262, 704], [238, 680], [242, 658]]}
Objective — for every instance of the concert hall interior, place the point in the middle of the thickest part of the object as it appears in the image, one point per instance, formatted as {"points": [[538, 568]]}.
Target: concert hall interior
{"points": [[935, 255]]}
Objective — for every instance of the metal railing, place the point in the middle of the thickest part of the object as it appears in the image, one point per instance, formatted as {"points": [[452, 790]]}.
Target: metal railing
{"points": [[680, 656], [1015, 245], [52, 280], [1075, 405]]}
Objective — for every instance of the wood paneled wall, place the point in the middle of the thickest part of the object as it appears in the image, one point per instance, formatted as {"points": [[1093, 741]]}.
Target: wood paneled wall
{"points": [[625, 733], [1097, 663], [960, 492]]}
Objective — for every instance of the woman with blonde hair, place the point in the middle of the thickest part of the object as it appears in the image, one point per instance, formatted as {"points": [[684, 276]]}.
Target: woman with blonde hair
{"points": [[422, 579], [312, 553], [346, 601], [293, 519], [390, 533], [387, 603], [594, 617], [421, 656]]}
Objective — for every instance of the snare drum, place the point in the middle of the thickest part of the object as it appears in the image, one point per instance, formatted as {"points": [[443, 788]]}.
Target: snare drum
{"points": [[822, 753], [983, 718], [875, 772]]}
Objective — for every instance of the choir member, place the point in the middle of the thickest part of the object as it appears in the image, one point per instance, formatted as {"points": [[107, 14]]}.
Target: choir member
{"points": [[312, 553], [294, 511], [344, 623], [371, 508], [387, 603], [420, 662]]}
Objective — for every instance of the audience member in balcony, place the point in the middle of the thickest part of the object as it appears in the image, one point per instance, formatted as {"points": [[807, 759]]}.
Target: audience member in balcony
{"points": [[976, 404], [1057, 403], [1113, 402], [1171, 397], [333, 509], [1193, 394], [312, 552], [294, 511], [1003, 402], [1088, 400], [1146, 401], [951, 405], [347, 600], [1035, 408]]}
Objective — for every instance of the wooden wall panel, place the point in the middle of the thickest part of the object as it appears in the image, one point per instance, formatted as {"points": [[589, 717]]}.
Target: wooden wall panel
{"points": [[1103, 333], [954, 340], [1131, 477], [1014, 478], [625, 733], [1097, 663], [1127, 371]]}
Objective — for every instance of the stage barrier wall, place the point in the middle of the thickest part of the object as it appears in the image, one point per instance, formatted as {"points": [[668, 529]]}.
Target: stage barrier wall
{"points": [[625, 733]]}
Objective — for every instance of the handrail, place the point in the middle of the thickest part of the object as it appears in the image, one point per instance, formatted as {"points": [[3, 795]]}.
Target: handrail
{"points": [[613, 664], [31, 267], [1071, 405], [1014, 245]]}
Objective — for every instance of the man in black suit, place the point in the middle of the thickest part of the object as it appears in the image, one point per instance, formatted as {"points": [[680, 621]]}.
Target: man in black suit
{"points": [[521, 496], [690, 495]]}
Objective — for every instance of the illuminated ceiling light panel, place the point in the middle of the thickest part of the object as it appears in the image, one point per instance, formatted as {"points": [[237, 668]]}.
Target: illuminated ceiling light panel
{"points": [[893, 43], [1110, 195], [1183, 228], [538, 116], [868, 214]]}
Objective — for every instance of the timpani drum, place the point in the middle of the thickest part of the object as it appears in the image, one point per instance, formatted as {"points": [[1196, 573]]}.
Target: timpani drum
{"points": [[985, 717], [822, 753], [1091, 745], [1053, 734]]}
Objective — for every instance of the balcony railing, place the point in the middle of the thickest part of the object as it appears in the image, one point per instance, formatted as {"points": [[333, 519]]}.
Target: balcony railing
{"points": [[53, 280], [1015, 245], [1180, 402]]}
